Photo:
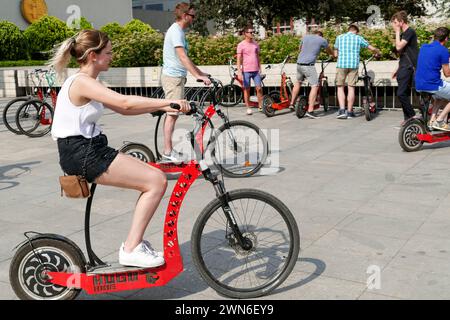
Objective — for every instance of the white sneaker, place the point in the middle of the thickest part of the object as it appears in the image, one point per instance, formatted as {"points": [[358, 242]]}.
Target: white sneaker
{"points": [[174, 157], [141, 257], [149, 246], [249, 111]]}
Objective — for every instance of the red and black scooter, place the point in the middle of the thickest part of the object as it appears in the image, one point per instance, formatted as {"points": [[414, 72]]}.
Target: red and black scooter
{"points": [[415, 132], [229, 244]]}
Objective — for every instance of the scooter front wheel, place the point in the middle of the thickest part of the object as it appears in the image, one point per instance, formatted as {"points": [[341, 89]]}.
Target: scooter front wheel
{"points": [[270, 251], [29, 267]]}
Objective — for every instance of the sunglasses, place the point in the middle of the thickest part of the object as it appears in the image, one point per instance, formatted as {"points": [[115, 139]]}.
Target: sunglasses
{"points": [[192, 15], [252, 32]]}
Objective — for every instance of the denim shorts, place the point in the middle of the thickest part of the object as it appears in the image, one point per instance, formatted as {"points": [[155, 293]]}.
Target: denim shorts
{"points": [[252, 75], [443, 91], [72, 154]]}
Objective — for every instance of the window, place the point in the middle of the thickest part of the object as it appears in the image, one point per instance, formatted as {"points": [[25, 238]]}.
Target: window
{"points": [[156, 7]]}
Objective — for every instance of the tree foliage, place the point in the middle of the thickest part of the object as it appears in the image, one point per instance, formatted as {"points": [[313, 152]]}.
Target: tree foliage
{"points": [[238, 13]]}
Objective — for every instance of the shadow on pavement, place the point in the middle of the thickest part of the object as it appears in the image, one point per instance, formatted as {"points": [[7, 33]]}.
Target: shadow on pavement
{"points": [[13, 171]]}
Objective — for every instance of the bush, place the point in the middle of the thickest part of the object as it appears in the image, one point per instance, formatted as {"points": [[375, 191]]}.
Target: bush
{"points": [[13, 44], [44, 34], [137, 25], [211, 50], [275, 49], [113, 30], [138, 51]]}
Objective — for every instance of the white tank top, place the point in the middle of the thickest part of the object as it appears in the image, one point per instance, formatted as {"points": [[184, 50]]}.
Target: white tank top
{"points": [[71, 120]]}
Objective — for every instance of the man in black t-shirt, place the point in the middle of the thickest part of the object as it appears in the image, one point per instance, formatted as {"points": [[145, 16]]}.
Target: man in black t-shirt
{"points": [[406, 46]]}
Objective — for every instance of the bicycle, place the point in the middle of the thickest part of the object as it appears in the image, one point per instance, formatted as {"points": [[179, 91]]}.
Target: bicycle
{"points": [[37, 113], [10, 110], [369, 105], [278, 100], [232, 94], [244, 244], [322, 94], [415, 131], [243, 146]]}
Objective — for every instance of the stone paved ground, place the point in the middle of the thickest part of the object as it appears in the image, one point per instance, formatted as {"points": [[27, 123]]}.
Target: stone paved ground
{"points": [[359, 200]]}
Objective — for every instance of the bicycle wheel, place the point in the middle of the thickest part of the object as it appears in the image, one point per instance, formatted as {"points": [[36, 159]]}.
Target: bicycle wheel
{"points": [[276, 96], [232, 270], [9, 113], [267, 105], [301, 107], [34, 118], [138, 151], [27, 274], [407, 136], [325, 96], [230, 95], [239, 149]]}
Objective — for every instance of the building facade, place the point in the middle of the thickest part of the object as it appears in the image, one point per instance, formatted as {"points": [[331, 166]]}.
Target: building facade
{"points": [[98, 12]]}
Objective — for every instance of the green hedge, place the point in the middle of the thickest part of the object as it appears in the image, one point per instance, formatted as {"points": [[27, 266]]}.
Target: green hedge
{"points": [[22, 63], [13, 44], [137, 44]]}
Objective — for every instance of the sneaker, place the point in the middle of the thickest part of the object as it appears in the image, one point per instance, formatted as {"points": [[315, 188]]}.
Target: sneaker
{"points": [[440, 125], [174, 157], [292, 107], [351, 115], [249, 111], [342, 114], [141, 257], [149, 246], [311, 115]]}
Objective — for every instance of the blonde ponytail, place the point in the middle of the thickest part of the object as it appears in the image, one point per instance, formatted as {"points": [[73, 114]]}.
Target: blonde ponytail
{"points": [[61, 55], [79, 46]]}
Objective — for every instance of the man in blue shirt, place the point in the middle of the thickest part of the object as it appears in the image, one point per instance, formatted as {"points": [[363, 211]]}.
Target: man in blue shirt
{"points": [[432, 58], [176, 63], [347, 47]]}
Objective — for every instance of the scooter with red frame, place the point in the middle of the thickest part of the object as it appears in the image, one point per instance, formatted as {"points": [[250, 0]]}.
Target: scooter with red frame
{"points": [[279, 100], [229, 244], [415, 131]]}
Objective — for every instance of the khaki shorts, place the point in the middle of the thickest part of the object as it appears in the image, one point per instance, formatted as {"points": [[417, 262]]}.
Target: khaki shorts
{"points": [[350, 74], [173, 88]]}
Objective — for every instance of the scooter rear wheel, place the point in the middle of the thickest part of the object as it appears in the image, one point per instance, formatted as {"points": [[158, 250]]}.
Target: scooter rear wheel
{"points": [[407, 136], [138, 151], [28, 269]]}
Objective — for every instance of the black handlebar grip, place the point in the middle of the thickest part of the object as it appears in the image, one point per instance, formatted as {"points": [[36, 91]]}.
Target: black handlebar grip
{"points": [[175, 106]]}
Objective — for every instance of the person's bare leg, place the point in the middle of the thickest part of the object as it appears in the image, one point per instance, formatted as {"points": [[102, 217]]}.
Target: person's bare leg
{"points": [[350, 98], [169, 127], [247, 97], [444, 113], [260, 96], [312, 98], [341, 97], [131, 173], [438, 103], [295, 92]]}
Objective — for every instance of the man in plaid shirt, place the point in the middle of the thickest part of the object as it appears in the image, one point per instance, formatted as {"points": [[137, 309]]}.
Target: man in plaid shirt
{"points": [[347, 48]]}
